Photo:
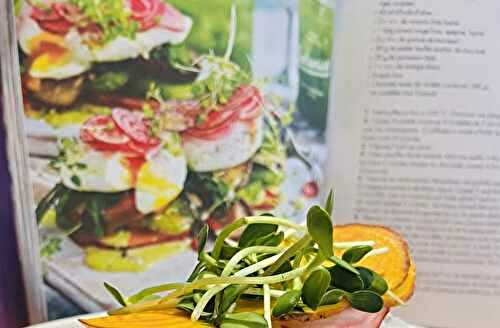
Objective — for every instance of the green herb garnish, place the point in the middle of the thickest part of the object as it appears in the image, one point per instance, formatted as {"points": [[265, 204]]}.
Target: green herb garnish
{"points": [[110, 15], [300, 273]]}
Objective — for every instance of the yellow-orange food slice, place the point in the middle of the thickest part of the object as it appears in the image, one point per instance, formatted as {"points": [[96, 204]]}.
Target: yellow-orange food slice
{"points": [[393, 265], [405, 290], [177, 318], [151, 319]]}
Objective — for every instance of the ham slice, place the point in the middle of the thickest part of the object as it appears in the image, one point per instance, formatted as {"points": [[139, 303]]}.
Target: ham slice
{"points": [[349, 318]]}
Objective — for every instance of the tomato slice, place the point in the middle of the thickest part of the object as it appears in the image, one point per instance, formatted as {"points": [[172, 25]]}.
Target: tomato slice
{"points": [[39, 14], [146, 12], [134, 126], [125, 150], [52, 19], [142, 149], [208, 134], [86, 136], [172, 19], [252, 108], [217, 118], [179, 115], [103, 128], [57, 27]]}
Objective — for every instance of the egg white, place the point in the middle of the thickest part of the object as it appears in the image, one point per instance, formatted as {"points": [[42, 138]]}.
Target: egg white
{"points": [[123, 48], [158, 181], [241, 143], [102, 172], [81, 56]]}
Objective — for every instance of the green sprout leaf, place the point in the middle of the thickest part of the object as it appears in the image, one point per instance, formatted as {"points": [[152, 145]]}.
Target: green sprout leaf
{"points": [[273, 239], [332, 296], [202, 239], [329, 203], [230, 295], [346, 280], [366, 301], [115, 293], [255, 231], [356, 253], [344, 264], [373, 281], [228, 251], [243, 320], [286, 303], [320, 227], [315, 287]]}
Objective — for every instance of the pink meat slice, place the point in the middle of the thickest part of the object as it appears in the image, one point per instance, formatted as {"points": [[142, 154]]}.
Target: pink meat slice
{"points": [[349, 318]]}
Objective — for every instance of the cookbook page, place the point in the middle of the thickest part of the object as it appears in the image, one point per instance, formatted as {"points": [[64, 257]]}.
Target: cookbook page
{"points": [[414, 144], [147, 119]]}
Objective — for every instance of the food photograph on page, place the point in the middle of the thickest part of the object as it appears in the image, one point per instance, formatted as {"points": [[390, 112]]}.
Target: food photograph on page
{"points": [[147, 120]]}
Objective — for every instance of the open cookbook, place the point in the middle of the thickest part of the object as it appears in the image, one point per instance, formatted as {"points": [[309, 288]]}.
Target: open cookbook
{"points": [[183, 151]]}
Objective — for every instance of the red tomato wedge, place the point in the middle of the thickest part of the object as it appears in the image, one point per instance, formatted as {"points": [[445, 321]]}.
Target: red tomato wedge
{"points": [[134, 126], [103, 128]]}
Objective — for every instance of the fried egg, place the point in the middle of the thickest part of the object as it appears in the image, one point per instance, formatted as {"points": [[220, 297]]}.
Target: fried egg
{"points": [[159, 181], [98, 172], [235, 148], [59, 57], [53, 56]]}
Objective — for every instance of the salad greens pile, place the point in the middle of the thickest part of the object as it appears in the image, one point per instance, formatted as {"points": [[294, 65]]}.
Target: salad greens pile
{"points": [[110, 16], [274, 259]]}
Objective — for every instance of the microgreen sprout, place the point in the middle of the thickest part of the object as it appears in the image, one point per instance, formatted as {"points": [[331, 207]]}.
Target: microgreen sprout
{"points": [[303, 272]]}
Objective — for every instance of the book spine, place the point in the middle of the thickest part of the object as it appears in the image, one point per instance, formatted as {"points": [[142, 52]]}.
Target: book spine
{"points": [[20, 269], [13, 308]]}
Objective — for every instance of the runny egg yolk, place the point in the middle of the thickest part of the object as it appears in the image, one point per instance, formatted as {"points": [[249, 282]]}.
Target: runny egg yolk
{"points": [[47, 50], [154, 190]]}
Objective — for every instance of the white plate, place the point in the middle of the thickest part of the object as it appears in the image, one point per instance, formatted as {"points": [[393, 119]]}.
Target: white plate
{"points": [[389, 322], [66, 323]]}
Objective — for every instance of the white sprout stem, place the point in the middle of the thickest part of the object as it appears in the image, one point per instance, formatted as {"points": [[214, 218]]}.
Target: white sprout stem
{"points": [[290, 234], [395, 297], [267, 305], [259, 292], [200, 306], [246, 252], [232, 34], [231, 242], [186, 68], [349, 244], [377, 251]]}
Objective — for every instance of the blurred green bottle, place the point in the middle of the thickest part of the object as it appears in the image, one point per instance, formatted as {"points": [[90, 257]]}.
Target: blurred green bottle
{"points": [[316, 45]]}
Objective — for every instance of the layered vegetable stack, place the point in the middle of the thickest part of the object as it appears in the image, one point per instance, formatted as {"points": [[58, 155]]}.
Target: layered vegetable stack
{"points": [[138, 178], [80, 57], [280, 274]]}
